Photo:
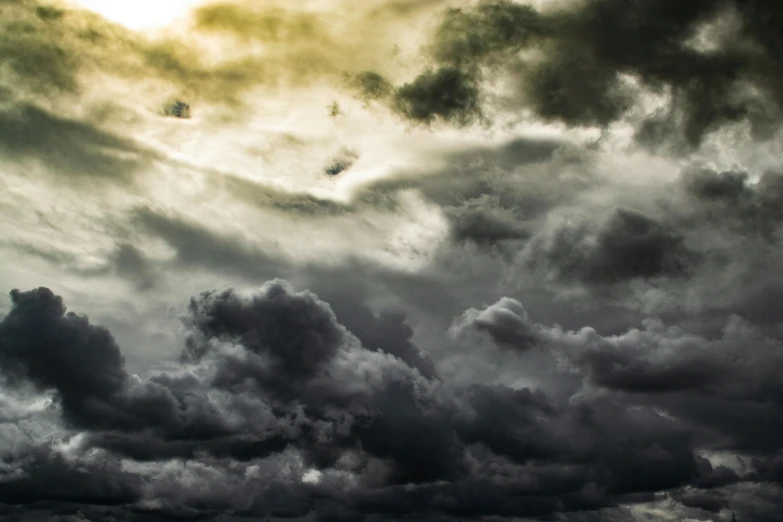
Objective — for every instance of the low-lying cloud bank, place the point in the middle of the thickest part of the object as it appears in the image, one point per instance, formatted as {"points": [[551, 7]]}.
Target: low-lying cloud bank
{"points": [[276, 409]]}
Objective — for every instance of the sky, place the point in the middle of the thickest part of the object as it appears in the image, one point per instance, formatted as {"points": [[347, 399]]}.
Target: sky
{"points": [[400, 260]]}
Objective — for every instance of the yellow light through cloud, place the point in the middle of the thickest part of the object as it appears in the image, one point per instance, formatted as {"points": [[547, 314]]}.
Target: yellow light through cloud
{"points": [[141, 14]]}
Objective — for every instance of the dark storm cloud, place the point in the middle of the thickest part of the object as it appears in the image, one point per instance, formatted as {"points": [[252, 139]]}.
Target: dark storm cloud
{"points": [[661, 249], [722, 387], [716, 186], [294, 351], [444, 94], [652, 361], [448, 94], [386, 331], [506, 322], [277, 382], [60, 351], [569, 62], [276, 371], [523, 427], [715, 477], [465, 37], [729, 199], [706, 500], [514, 423], [301, 339], [299, 332], [44, 476], [649, 360], [55, 350], [627, 245], [770, 468], [275, 325]]}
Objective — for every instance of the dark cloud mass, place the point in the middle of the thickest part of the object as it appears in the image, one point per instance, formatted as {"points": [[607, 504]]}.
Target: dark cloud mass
{"points": [[342, 161], [446, 93], [570, 63], [627, 245], [274, 374], [55, 350]]}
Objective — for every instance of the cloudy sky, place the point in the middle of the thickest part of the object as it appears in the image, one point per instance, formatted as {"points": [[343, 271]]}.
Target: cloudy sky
{"points": [[421, 260]]}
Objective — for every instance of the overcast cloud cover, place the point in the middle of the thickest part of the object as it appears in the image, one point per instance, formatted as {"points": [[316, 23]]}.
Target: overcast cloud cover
{"points": [[406, 260]]}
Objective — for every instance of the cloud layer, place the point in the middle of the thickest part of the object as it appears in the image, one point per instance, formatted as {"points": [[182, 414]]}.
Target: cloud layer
{"points": [[272, 381], [420, 260]]}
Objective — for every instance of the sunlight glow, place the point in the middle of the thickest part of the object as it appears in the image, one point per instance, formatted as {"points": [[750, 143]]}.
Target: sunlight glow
{"points": [[141, 14]]}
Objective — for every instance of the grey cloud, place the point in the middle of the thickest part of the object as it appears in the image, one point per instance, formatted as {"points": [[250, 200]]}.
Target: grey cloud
{"points": [[298, 205], [708, 501], [198, 246], [149, 419], [627, 245], [506, 322], [343, 161], [484, 221], [44, 476], [611, 410], [770, 467], [464, 37], [702, 227], [55, 350], [31, 134], [299, 332], [35, 58], [653, 359], [444, 94], [49, 50], [370, 86], [448, 94], [343, 401], [584, 49], [125, 261], [729, 199], [724, 386], [303, 341], [62, 352], [463, 187], [386, 331]]}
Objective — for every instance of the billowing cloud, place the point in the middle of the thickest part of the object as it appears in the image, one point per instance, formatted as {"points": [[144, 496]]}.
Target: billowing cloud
{"points": [[627, 245], [271, 380]]}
